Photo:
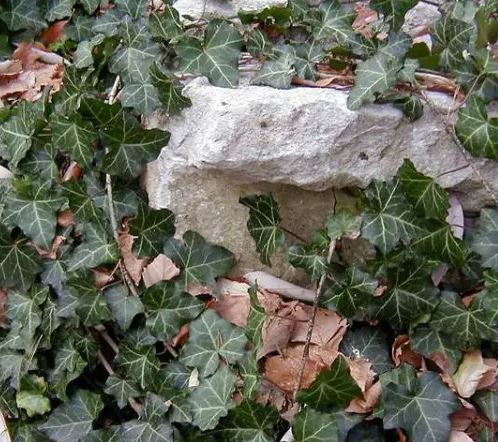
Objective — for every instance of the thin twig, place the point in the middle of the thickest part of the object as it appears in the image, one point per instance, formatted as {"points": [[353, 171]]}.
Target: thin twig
{"points": [[311, 322], [105, 336], [137, 407]]}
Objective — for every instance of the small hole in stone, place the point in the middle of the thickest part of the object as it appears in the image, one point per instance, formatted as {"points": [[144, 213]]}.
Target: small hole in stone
{"points": [[263, 124], [223, 103], [363, 156]]}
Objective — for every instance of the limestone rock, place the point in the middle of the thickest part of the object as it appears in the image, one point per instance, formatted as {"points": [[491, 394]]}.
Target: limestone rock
{"points": [[222, 8], [299, 144]]}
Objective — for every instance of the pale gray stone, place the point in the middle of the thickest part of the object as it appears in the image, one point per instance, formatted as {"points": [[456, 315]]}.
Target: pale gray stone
{"points": [[421, 16], [222, 8], [298, 144]]}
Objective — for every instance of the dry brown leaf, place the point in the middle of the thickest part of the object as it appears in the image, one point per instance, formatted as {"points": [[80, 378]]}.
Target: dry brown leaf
{"points": [[233, 308], [462, 419], [369, 401], [180, 338], [270, 394], [54, 32], [5, 173], [133, 265], [403, 353], [459, 436], [196, 289], [362, 372], [66, 218], [3, 302], [277, 332], [490, 378], [365, 18], [469, 373], [103, 276], [162, 268], [72, 172], [283, 369]]}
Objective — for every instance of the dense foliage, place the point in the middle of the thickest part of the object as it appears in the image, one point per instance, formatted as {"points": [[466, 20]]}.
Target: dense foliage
{"points": [[92, 350]]}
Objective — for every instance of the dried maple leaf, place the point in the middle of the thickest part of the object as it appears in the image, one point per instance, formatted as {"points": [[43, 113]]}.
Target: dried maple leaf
{"points": [[160, 269]]}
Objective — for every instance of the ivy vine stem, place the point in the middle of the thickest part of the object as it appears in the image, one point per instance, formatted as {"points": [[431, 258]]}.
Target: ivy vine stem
{"points": [[311, 322]]}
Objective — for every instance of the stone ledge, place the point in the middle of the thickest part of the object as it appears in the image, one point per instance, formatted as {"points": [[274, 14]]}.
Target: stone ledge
{"points": [[298, 144]]}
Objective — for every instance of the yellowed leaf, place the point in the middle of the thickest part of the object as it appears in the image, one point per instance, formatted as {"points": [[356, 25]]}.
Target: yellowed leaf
{"points": [[469, 373]]}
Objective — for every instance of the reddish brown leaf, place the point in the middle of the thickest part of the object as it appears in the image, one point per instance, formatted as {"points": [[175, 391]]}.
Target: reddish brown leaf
{"points": [[180, 338], [72, 172], [3, 302], [364, 20], [66, 218], [403, 353], [369, 401], [54, 32], [103, 276]]}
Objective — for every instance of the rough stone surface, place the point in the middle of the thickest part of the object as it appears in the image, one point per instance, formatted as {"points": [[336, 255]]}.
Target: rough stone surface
{"points": [[298, 144], [421, 16], [222, 8]]}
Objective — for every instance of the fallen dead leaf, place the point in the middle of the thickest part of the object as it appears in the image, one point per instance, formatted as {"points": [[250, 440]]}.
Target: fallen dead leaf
{"points": [[459, 436], [277, 332], [103, 276], [469, 373], [403, 353], [283, 369], [489, 380], [365, 18], [133, 265], [369, 401], [72, 172], [362, 372], [54, 32], [66, 218], [462, 419], [162, 268], [181, 337], [5, 173]]}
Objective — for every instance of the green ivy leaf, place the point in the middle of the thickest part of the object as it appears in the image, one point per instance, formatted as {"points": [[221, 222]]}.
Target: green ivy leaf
{"points": [[169, 309], [123, 305], [312, 426], [332, 387], [277, 72], [139, 364], [410, 294], [487, 401], [90, 6], [485, 242], [22, 14], [121, 390], [216, 57], [33, 207], [393, 11], [343, 224], [73, 420], [465, 326], [32, 397], [373, 76], [307, 258], [211, 400], [424, 411], [96, 249], [59, 9], [75, 135], [170, 93], [439, 243], [211, 339], [350, 291], [81, 203], [134, 8], [136, 55], [371, 344], [166, 26], [333, 22], [199, 261], [451, 37], [477, 132], [388, 219], [13, 367], [152, 228], [427, 197], [130, 146], [263, 224], [432, 343], [19, 263], [249, 421]]}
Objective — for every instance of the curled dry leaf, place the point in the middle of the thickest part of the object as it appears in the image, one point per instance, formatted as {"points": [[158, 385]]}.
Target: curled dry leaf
{"points": [[403, 353], [369, 401], [463, 418], [103, 277], [469, 373], [489, 380], [181, 337], [279, 286], [160, 269], [54, 32], [361, 371], [32, 68], [72, 172], [277, 332], [133, 265]]}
